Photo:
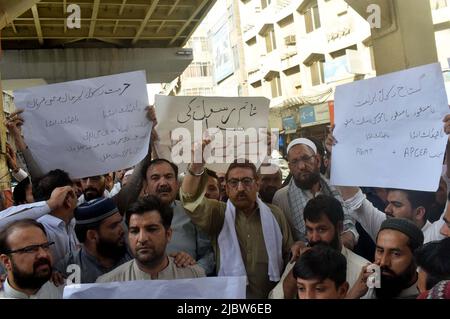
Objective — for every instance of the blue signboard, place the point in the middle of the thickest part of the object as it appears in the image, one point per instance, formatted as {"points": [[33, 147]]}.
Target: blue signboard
{"points": [[289, 124], [307, 115]]}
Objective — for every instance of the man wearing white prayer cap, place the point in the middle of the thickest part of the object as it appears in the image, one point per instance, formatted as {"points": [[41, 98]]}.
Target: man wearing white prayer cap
{"points": [[306, 183]]}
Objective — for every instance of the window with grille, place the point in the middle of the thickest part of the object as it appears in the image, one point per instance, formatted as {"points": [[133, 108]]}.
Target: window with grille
{"points": [[275, 85], [312, 18], [269, 37], [317, 74]]}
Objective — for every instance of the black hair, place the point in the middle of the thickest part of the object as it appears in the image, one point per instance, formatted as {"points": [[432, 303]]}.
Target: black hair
{"points": [[20, 191], [148, 204], [212, 174], [18, 224], [147, 164], [324, 205], [434, 259], [322, 262], [242, 163], [44, 187]]}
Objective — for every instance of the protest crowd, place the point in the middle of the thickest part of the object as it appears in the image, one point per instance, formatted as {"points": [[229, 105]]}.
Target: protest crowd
{"points": [[301, 238]]}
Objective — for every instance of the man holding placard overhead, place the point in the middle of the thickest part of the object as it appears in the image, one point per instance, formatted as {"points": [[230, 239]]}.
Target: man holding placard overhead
{"points": [[249, 237]]}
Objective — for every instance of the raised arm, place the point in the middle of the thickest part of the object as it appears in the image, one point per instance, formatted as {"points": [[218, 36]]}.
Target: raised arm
{"points": [[131, 191], [14, 124]]}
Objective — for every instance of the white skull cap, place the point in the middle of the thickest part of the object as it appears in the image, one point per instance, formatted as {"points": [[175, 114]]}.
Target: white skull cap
{"points": [[303, 141]]}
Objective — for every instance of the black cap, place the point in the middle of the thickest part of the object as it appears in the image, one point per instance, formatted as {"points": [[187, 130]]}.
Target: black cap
{"points": [[406, 227], [95, 211]]}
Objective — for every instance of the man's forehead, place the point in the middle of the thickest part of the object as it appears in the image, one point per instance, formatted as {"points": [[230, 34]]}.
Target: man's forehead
{"points": [[312, 281], [299, 150], [397, 196], [27, 236], [160, 168], [323, 220], [146, 219], [212, 180], [240, 172], [392, 239]]}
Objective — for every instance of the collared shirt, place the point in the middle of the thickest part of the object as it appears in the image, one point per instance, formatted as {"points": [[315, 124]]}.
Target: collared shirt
{"points": [[47, 291], [90, 268], [354, 267], [209, 215], [131, 271], [63, 235], [188, 238], [14, 213], [371, 218]]}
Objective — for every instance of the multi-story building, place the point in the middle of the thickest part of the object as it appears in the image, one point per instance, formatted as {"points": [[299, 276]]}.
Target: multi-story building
{"points": [[294, 52], [197, 78], [218, 64], [300, 51], [440, 10]]}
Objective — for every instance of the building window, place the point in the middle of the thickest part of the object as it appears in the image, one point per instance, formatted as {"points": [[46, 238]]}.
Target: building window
{"points": [[198, 69], [312, 18], [265, 3], [317, 74], [275, 85], [271, 44], [439, 4], [198, 44], [198, 92]]}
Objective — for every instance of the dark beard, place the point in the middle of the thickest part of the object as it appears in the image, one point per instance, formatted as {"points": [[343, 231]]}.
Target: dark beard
{"points": [[33, 280], [110, 249], [391, 287], [335, 243], [309, 182], [267, 194], [93, 194]]}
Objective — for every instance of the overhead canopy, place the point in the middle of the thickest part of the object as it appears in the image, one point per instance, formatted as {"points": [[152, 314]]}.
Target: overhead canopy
{"points": [[30, 24], [114, 36]]}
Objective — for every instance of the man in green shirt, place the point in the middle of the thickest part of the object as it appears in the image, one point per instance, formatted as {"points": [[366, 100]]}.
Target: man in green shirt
{"points": [[249, 237]]}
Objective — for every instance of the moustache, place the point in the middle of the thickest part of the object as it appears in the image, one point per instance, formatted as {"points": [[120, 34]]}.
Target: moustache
{"points": [[42, 261], [385, 269], [90, 189], [164, 189], [315, 243]]}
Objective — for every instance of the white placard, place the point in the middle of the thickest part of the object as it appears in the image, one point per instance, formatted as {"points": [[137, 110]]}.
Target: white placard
{"points": [[184, 119], [390, 131], [87, 127], [196, 288]]}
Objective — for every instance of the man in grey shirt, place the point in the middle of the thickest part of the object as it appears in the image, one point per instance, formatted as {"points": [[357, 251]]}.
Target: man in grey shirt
{"points": [[99, 227]]}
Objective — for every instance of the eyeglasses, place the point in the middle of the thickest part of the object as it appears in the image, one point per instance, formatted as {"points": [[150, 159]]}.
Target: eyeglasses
{"points": [[246, 181], [304, 159], [31, 249]]}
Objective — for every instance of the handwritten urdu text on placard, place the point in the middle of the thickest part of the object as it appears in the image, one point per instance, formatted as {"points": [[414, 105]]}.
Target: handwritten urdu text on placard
{"points": [[389, 130], [87, 127]]}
